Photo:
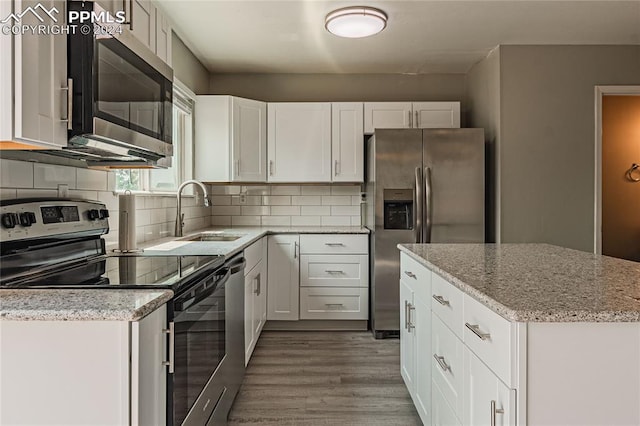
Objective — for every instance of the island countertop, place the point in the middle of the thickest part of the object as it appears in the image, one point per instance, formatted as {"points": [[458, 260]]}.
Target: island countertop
{"points": [[80, 304], [538, 282]]}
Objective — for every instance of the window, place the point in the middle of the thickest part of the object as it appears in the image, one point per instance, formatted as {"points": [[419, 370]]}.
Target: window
{"points": [[167, 180]]}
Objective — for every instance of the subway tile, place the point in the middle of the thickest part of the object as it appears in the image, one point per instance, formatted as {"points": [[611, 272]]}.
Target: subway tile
{"points": [[336, 200], [305, 221], [256, 190], [150, 202], [356, 200], [336, 221], [16, 174], [256, 210], [225, 189], [345, 210], [285, 211], [276, 200], [315, 210], [140, 234], [33, 193], [356, 221], [8, 194], [85, 195], [169, 202], [306, 200], [50, 176], [166, 229], [109, 200], [111, 181], [285, 190], [249, 200], [158, 216], [91, 179], [225, 210], [245, 220], [221, 220], [316, 190], [221, 200], [143, 218], [345, 190], [276, 221]]}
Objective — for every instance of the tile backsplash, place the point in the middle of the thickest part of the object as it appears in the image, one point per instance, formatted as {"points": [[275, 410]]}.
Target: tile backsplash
{"points": [[286, 205]]}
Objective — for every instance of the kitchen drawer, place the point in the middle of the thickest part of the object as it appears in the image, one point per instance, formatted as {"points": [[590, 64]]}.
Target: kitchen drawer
{"points": [[447, 370], [417, 276], [334, 244], [341, 270], [331, 303], [446, 302], [441, 412], [253, 255], [489, 336]]}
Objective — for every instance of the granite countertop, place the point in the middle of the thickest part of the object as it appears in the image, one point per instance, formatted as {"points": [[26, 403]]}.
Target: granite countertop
{"points": [[538, 282], [80, 305], [173, 245]]}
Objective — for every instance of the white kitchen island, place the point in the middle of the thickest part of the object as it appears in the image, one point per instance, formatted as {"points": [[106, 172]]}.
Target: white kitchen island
{"points": [[520, 334]]}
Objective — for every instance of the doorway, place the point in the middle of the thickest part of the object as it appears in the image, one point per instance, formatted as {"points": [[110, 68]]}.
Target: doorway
{"points": [[618, 172]]}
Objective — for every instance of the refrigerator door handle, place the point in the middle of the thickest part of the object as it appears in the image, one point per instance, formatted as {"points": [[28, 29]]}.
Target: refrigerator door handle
{"points": [[428, 201], [417, 210]]}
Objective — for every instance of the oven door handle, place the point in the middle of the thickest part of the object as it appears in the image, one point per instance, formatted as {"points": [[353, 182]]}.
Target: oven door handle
{"points": [[179, 304]]}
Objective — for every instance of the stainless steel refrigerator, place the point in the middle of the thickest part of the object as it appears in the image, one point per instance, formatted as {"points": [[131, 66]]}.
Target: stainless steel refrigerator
{"points": [[422, 186]]}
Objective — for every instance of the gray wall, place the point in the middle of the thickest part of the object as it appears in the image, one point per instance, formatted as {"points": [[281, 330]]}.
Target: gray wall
{"points": [[187, 68], [483, 103], [546, 138], [341, 87]]}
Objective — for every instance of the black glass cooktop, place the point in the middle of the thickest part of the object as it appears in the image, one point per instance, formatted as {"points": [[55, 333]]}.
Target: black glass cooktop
{"points": [[126, 271]]}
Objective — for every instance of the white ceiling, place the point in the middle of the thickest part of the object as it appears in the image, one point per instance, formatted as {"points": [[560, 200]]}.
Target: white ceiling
{"points": [[421, 36]]}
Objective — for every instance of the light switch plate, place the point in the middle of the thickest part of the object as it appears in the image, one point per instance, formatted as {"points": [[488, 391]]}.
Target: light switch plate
{"points": [[63, 190]]}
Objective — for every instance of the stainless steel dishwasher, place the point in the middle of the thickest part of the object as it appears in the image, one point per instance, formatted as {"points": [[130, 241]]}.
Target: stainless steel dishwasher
{"points": [[232, 368]]}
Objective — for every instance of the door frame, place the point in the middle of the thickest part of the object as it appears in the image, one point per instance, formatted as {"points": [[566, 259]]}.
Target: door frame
{"points": [[601, 91]]}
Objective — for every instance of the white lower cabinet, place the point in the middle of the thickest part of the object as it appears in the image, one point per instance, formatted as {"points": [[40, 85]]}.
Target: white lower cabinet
{"points": [[106, 372], [283, 292], [334, 303], [487, 401], [255, 296], [442, 413]]}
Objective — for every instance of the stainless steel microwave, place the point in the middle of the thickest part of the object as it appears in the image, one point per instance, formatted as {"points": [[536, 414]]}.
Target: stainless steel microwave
{"points": [[120, 95]]}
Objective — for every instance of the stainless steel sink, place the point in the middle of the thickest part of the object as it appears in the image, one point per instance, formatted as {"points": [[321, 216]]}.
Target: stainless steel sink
{"points": [[212, 237]]}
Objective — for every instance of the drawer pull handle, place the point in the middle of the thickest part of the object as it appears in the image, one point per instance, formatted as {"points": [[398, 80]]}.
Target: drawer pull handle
{"points": [[334, 305], [334, 244], [476, 330], [441, 362], [411, 275], [495, 411], [441, 300], [334, 272]]}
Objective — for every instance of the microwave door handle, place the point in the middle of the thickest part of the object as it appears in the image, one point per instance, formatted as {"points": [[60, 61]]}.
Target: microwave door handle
{"points": [[179, 304], [428, 198], [417, 210]]}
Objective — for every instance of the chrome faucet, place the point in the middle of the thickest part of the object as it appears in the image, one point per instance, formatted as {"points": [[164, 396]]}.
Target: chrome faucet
{"points": [[179, 214]]}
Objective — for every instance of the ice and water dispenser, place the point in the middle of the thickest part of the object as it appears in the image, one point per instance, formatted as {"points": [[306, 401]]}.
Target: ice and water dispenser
{"points": [[398, 208]]}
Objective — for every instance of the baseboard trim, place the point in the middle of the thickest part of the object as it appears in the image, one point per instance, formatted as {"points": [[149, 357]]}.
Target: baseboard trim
{"points": [[317, 325]]}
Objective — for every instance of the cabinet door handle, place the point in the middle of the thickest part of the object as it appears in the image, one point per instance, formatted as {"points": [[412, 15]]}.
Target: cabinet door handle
{"points": [[172, 344], [476, 330], [495, 411], [335, 173], [124, 8], [69, 90], [411, 325], [410, 123], [334, 244], [295, 250], [271, 168], [417, 123], [329, 271], [259, 278], [237, 168], [442, 363], [410, 275], [441, 300], [333, 304], [257, 286]]}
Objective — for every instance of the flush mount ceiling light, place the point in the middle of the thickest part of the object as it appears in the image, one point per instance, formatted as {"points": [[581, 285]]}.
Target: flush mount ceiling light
{"points": [[356, 21]]}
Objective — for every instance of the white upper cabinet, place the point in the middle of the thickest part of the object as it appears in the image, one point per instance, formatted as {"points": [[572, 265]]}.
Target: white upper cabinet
{"points": [[299, 142], [142, 22], [430, 115], [387, 115], [163, 37], [33, 85], [347, 142], [406, 115], [230, 139]]}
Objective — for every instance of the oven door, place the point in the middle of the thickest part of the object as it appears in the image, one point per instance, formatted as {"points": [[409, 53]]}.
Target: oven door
{"points": [[199, 321]]}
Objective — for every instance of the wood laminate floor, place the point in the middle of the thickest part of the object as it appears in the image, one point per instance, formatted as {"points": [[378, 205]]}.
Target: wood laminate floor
{"points": [[324, 378]]}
